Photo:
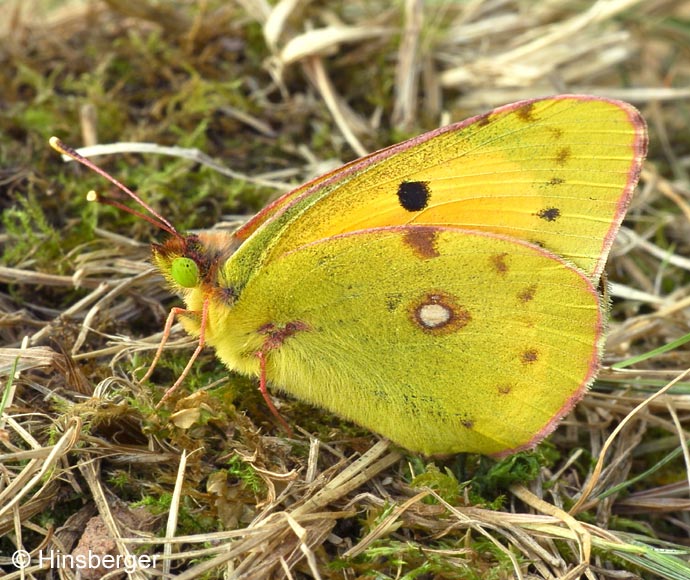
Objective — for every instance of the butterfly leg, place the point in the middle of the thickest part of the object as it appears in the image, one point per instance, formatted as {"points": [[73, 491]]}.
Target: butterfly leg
{"points": [[264, 392], [175, 311], [166, 333], [275, 338]]}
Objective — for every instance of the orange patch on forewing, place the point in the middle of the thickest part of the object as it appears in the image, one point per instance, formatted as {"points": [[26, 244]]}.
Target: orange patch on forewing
{"points": [[422, 241], [526, 113], [438, 312], [498, 262], [563, 155], [527, 294], [529, 356]]}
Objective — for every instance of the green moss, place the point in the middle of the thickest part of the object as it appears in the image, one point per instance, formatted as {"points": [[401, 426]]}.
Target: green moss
{"points": [[30, 238], [238, 468], [497, 477], [443, 483], [450, 559]]}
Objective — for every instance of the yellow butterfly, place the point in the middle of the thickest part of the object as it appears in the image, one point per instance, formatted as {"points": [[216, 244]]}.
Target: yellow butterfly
{"points": [[441, 292]]}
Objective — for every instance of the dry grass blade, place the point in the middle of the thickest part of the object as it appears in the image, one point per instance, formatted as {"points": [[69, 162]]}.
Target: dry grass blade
{"points": [[288, 536], [583, 499], [15, 492]]}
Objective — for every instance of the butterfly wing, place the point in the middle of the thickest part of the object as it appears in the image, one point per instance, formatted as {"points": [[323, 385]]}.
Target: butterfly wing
{"points": [[442, 340], [556, 172], [441, 291]]}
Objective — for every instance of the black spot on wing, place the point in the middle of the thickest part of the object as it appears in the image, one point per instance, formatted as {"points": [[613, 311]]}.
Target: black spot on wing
{"points": [[414, 195], [549, 214]]}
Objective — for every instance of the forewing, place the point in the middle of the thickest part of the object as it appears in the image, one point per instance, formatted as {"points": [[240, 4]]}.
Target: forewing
{"points": [[556, 172]]}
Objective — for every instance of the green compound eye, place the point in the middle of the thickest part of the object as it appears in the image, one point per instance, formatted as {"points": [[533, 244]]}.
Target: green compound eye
{"points": [[185, 272]]}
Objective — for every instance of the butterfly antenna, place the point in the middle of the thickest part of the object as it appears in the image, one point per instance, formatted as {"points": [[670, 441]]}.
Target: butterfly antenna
{"points": [[157, 220]]}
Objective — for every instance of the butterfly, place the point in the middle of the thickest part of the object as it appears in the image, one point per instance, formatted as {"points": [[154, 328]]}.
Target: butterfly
{"points": [[442, 292]]}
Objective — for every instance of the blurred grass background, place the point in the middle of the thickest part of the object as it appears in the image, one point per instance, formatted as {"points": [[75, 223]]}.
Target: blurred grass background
{"points": [[273, 94]]}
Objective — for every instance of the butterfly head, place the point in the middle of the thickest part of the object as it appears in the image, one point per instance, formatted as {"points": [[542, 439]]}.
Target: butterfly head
{"points": [[182, 260], [192, 261]]}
